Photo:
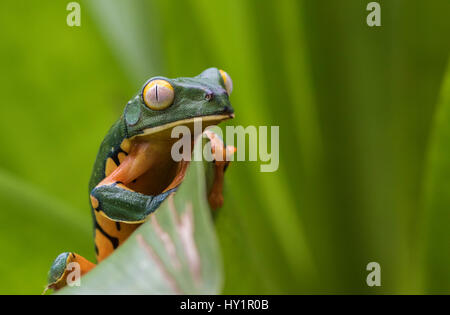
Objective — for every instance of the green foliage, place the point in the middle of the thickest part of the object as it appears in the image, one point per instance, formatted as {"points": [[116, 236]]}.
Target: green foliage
{"points": [[359, 179], [436, 252]]}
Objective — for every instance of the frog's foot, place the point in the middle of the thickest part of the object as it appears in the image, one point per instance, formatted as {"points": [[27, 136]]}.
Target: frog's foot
{"points": [[66, 267], [222, 156]]}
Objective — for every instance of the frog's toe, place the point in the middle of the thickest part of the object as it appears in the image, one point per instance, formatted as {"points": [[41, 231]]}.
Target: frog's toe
{"points": [[57, 276], [57, 270]]}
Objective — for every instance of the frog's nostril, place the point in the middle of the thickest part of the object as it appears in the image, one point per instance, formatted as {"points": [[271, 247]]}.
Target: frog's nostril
{"points": [[228, 110]]}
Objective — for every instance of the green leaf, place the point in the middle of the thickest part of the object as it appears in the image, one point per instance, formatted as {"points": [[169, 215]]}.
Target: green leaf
{"points": [[436, 272], [59, 99], [174, 252], [354, 105], [32, 220]]}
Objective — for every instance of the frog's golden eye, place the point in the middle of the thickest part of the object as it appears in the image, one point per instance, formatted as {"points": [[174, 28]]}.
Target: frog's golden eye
{"points": [[158, 94], [227, 80]]}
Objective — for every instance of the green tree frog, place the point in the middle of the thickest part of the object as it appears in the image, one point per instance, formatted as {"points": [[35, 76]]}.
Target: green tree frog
{"points": [[134, 171]]}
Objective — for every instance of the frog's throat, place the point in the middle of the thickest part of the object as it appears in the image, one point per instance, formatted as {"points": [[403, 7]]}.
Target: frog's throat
{"points": [[149, 167], [164, 130]]}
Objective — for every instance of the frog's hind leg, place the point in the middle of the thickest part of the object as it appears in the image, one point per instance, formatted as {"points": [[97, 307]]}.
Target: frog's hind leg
{"points": [[67, 265]]}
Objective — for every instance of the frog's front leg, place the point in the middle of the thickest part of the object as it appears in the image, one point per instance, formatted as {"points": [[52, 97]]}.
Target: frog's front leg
{"points": [[118, 211], [117, 197], [121, 204], [124, 199], [63, 267], [221, 154]]}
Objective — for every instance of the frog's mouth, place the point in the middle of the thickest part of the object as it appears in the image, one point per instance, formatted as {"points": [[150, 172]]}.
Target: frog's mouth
{"points": [[164, 131], [151, 151]]}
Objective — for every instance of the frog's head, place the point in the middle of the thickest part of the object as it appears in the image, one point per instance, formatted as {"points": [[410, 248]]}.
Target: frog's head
{"points": [[165, 103]]}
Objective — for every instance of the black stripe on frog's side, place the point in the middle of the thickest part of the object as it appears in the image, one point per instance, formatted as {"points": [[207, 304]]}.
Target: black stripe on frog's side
{"points": [[110, 148], [114, 241], [115, 155]]}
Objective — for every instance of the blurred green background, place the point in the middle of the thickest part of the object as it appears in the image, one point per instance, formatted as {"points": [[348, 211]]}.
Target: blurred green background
{"points": [[364, 116]]}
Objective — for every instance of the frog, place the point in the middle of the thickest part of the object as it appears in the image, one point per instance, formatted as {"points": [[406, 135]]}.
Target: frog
{"points": [[134, 172]]}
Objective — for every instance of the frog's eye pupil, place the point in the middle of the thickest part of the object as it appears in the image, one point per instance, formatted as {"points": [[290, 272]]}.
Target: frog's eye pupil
{"points": [[158, 94], [209, 96], [227, 81]]}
